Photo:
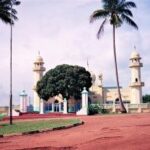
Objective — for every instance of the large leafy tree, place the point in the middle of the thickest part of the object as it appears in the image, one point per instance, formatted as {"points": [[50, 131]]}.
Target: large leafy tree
{"points": [[115, 12], [8, 16], [66, 80]]}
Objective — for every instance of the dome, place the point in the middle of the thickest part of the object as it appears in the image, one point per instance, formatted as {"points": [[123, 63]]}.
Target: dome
{"points": [[23, 93], [135, 54], [39, 59]]}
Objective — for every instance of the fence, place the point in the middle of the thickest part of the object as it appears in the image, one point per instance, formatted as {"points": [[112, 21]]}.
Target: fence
{"points": [[131, 108]]}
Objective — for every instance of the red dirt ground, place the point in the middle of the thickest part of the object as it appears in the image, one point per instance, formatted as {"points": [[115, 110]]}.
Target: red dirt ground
{"points": [[37, 116], [110, 132]]}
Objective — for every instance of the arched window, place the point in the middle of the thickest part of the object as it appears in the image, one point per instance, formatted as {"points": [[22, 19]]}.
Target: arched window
{"points": [[136, 79], [117, 101], [56, 101]]}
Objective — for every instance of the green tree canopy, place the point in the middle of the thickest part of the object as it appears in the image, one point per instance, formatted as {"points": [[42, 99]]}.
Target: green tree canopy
{"points": [[66, 80], [146, 98]]}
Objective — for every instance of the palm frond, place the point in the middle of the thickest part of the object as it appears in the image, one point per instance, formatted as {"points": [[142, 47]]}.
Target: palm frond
{"points": [[129, 21], [101, 29], [7, 13], [98, 14], [122, 10], [15, 2], [4, 18], [129, 4]]}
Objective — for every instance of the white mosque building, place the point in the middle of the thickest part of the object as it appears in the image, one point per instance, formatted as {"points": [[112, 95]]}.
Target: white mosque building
{"points": [[98, 92]]}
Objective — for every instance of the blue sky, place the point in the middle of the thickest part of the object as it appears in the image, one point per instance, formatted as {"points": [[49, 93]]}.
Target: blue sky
{"points": [[60, 30]]}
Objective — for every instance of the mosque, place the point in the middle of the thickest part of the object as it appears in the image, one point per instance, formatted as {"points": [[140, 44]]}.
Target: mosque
{"points": [[98, 93]]}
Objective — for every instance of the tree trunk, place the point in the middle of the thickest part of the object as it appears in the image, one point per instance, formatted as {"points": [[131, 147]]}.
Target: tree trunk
{"points": [[11, 73], [122, 108]]}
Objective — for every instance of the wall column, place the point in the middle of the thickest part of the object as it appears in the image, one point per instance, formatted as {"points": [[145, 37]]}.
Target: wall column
{"points": [[65, 106], [84, 109], [52, 107], [114, 107], [41, 107], [59, 107]]}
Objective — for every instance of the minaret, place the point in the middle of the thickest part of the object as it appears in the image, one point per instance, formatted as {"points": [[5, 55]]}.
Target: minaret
{"points": [[38, 70], [136, 84]]}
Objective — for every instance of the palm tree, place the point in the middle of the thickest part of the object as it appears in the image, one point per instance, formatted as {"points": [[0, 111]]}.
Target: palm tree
{"points": [[7, 13], [8, 16], [116, 12]]}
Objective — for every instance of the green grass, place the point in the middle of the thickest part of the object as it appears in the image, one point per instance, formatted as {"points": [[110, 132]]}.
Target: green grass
{"points": [[26, 126]]}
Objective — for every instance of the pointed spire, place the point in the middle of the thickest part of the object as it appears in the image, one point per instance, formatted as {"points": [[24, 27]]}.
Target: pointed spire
{"points": [[134, 47], [87, 64]]}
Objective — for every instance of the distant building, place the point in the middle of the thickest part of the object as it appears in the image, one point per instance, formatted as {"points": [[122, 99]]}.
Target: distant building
{"points": [[131, 94], [98, 92]]}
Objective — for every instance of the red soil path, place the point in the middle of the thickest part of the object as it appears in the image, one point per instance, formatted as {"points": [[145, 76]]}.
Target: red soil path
{"points": [[112, 132]]}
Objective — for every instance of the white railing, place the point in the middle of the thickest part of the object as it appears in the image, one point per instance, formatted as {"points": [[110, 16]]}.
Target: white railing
{"points": [[129, 106]]}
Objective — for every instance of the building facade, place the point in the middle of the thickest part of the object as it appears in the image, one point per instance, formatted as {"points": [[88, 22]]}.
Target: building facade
{"points": [[131, 94], [98, 93]]}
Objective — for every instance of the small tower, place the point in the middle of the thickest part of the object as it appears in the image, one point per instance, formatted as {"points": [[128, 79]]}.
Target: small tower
{"points": [[23, 101], [136, 84], [38, 70]]}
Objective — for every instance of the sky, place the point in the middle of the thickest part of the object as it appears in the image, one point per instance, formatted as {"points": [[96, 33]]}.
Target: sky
{"points": [[61, 31]]}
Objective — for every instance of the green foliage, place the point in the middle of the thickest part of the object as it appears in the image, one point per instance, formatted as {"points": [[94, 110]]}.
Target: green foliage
{"points": [[104, 111], [19, 127], [7, 12], [94, 109], [146, 99], [64, 79]]}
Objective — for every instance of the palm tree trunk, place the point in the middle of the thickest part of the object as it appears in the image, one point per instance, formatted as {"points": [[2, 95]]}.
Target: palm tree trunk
{"points": [[123, 110], [11, 73]]}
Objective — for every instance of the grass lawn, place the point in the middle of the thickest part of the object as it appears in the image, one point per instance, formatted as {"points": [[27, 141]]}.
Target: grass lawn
{"points": [[25, 126]]}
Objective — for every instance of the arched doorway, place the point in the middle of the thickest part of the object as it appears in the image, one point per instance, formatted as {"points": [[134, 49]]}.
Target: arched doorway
{"points": [[56, 106]]}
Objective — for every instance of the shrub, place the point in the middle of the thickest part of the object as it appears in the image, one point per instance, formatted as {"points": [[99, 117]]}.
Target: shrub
{"points": [[94, 109], [104, 111]]}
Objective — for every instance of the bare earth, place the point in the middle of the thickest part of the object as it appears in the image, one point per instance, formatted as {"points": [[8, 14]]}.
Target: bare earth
{"points": [[111, 132]]}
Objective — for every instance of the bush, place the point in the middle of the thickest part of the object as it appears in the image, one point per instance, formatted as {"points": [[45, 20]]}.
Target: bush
{"points": [[94, 109], [104, 111]]}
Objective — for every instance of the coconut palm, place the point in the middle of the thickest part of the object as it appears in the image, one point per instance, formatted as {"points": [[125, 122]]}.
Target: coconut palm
{"points": [[115, 12], [7, 13], [8, 16]]}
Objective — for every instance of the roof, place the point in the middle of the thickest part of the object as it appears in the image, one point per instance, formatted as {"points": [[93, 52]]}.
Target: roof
{"points": [[39, 59], [135, 54], [23, 93]]}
